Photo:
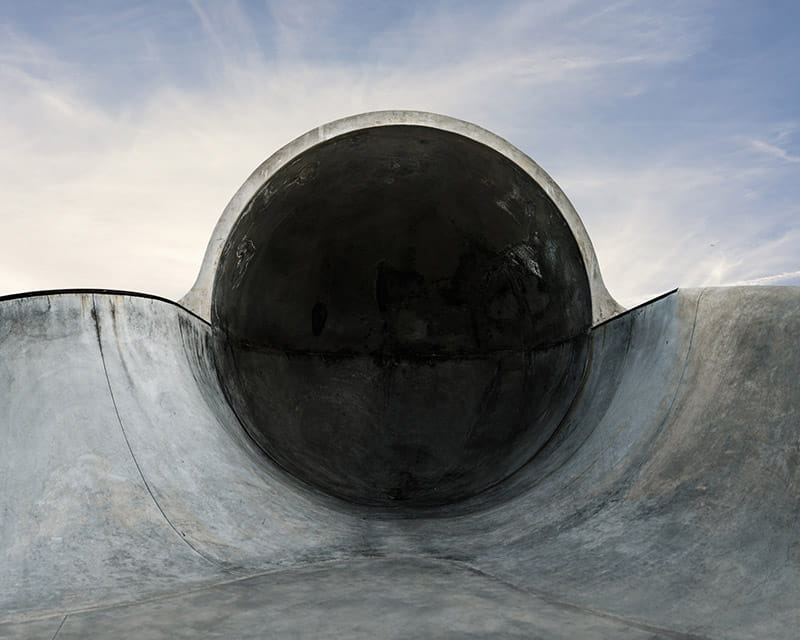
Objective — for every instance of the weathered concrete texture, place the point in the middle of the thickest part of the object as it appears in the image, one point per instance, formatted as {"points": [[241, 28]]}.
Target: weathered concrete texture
{"points": [[665, 503]]}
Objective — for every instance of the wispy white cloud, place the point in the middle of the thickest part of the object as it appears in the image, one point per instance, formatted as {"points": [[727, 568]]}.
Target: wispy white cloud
{"points": [[684, 222], [124, 194], [773, 150], [778, 278]]}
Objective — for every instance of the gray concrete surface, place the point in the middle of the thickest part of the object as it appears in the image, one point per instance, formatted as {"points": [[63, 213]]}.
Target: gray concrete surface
{"points": [[666, 502], [410, 415]]}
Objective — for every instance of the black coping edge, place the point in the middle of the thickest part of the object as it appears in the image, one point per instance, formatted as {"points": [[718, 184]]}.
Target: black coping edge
{"points": [[636, 308], [106, 292]]}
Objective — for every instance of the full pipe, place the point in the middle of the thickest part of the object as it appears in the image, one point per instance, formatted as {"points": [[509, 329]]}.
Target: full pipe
{"points": [[399, 402]]}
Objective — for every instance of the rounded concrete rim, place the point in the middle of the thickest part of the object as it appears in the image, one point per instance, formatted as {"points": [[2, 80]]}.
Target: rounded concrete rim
{"points": [[198, 298]]}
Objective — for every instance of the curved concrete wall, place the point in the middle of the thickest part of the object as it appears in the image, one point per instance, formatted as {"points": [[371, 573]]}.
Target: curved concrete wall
{"points": [[198, 299], [664, 505]]}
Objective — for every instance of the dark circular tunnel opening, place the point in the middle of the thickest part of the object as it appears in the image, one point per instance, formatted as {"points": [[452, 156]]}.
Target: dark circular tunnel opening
{"points": [[404, 314]]}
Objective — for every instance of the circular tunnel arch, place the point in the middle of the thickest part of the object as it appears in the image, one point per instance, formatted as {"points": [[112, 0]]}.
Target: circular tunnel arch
{"points": [[403, 309]]}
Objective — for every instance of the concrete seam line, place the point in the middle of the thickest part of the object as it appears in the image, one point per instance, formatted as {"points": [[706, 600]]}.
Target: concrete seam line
{"points": [[685, 361], [658, 431], [180, 535], [58, 630], [378, 558], [213, 585], [574, 607]]}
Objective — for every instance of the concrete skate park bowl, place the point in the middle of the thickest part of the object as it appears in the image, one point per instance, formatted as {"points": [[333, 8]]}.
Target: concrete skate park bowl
{"points": [[399, 402]]}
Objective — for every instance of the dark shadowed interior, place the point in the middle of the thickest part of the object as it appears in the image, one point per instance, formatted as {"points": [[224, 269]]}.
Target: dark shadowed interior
{"points": [[403, 316]]}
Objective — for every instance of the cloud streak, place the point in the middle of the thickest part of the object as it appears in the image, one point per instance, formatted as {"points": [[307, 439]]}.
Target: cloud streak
{"points": [[117, 180], [773, 150], [779, 278]]}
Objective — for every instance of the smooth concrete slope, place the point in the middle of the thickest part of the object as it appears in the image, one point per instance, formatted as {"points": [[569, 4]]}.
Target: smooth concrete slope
{"points": [[666, 504]]}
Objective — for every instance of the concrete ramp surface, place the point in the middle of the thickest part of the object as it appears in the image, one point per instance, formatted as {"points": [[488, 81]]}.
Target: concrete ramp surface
{"points": [[167, 473]]}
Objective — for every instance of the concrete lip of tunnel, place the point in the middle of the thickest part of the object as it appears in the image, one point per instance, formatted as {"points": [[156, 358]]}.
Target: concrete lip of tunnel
{"points": [[399, 402], [403, 301]]}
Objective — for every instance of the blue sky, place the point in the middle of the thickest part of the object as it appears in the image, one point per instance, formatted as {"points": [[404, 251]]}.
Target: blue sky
{"points": [[674, 127]]}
